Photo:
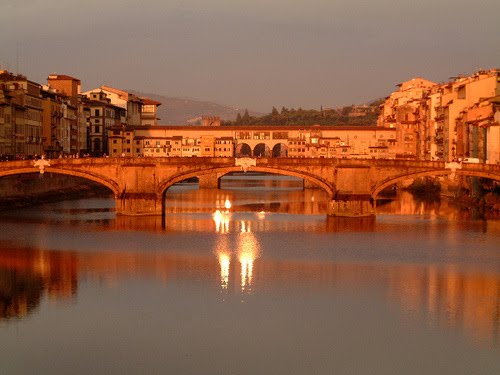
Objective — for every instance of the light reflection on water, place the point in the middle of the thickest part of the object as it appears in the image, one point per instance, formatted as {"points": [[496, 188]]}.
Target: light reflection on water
{"points": [[419, 279]]}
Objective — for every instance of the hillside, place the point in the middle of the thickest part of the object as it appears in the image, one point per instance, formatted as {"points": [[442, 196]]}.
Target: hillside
{"points": [[179, 111]]}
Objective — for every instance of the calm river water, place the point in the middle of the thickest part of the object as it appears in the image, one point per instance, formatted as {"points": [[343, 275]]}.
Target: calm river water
{"points": [[268, 286]]}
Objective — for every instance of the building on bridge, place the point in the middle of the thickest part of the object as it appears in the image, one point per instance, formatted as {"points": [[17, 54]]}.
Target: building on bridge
{"points": [[362, 142], [149, 112]]}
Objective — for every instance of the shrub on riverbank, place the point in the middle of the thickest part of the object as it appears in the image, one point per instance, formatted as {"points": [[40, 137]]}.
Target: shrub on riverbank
{"points": [[425, 188]]}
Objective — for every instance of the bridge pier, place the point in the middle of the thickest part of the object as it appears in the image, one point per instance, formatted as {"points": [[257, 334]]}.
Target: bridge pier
{"points": [[351, 208], [139, 204], [309, 185], [209, 181]]}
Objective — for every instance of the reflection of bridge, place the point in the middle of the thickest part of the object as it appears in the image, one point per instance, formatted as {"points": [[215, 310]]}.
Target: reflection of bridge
{"points": [[448, 295], [352, 185]]}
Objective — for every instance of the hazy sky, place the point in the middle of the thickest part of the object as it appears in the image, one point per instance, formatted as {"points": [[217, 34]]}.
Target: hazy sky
{"points": [[251, 53]]}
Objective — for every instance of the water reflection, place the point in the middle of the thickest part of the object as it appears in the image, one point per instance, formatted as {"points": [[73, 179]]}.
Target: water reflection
{"points": [[247, 249], [187, 198], [423, 260], [447, 296], [223, 253]]}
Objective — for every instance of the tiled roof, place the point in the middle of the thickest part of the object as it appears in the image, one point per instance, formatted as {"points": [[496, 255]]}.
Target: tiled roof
{"points": [[115, 91], [148, 101], [62, 77]]}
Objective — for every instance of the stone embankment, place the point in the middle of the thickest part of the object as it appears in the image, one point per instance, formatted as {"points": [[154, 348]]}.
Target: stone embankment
{"points": [[484, 197], [33, 189]]}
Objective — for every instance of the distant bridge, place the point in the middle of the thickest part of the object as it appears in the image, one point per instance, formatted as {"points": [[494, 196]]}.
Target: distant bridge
{"points": [[352, 185]]}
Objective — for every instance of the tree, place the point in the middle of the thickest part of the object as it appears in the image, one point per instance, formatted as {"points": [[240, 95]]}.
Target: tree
{"points": [[238, 119], [246, 117], [274, 112]]}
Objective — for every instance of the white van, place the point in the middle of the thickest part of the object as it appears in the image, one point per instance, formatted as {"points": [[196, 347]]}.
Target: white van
{"points": [[471, 160]]}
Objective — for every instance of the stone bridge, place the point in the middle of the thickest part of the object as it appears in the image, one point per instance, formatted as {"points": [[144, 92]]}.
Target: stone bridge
{"points": [[352, 185]]}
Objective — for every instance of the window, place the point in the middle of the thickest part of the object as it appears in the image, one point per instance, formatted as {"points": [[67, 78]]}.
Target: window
{"points": [[97, 112], [461, 92], [280, 135]]}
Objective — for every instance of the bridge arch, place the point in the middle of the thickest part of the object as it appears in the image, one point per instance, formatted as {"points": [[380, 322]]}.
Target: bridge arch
{"points": [[434, 173], [261, 150], [221, 172], [243, 149], [280, 150], [110, 184]]}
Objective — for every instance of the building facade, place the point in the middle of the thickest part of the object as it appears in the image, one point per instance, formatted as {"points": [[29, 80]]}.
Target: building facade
{"points": [[448, 121], [25, 126], [255, 141]]}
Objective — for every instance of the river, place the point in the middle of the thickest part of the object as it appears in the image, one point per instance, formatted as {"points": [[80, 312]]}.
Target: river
{"points": [[253, 278]]}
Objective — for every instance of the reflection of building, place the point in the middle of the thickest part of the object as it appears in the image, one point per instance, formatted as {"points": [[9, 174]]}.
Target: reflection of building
{"points": [[26, 276], [448, 296]]}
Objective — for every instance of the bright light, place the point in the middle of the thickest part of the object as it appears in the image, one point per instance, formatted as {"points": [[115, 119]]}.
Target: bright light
{"points": [[223, 253], [227, 204], [224, 261], [221, 220], [248, 251]]}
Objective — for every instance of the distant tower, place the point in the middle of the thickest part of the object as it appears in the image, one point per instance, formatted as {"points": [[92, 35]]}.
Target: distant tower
{"points": [[67, 85], [210, 121]]}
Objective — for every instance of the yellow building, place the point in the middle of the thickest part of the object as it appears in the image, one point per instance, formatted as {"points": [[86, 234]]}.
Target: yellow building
{"points": [[6, 140], [25, 102], [256, 141], [432, 120]]}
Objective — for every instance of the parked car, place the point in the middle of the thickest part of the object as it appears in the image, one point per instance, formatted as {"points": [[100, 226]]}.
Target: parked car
{"points": [[471, 160]]}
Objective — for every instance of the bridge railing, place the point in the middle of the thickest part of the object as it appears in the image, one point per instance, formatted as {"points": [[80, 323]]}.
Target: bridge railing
{"points": [[225, 161]]}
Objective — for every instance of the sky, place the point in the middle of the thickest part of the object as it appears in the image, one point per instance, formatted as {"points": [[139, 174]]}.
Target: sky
{"points": [[252, 54]]}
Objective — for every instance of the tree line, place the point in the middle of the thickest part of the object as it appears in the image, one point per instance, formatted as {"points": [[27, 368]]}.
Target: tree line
{"points": [[349, 115]]}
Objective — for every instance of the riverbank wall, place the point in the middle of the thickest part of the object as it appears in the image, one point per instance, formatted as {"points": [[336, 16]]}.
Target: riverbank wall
{"points": [[33, 189]]}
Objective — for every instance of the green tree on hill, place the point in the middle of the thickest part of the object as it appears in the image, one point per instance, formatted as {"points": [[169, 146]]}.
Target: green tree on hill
{"points": [[300, 116]]}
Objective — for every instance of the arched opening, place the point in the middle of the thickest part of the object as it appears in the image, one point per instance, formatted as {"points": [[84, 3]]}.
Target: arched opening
{"points": [[280, 151], [97, 146], [31, 189], [262, 151], [243, 150], [257, 192]]}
